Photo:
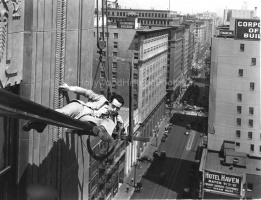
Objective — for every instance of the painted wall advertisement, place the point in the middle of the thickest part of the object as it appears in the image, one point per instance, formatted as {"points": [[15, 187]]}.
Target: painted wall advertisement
{"points": [[247, 29], [222, 182], [126, 25]]}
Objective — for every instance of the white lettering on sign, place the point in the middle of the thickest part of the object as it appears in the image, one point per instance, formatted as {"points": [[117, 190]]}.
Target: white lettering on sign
{"points": [[253, 35], [248, 24]]}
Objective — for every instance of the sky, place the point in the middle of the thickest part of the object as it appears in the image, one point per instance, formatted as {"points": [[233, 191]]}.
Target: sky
{"points": [[191, 6]]}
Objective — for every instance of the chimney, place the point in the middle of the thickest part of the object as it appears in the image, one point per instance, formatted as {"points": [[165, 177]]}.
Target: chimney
{"points": [[255, 12]]}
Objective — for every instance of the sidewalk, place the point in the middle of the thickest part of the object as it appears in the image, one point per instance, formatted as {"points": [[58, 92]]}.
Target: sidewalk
{"points": [[143, 167]]}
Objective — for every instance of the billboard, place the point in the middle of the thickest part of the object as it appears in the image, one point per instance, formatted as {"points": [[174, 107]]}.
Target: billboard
{"points": [[247, 29], [125, 24], [226, 33], [221, 182]]}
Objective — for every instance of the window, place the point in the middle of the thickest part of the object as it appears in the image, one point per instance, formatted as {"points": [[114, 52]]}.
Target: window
{"points": [[101, 34], [136, 56], [137, 46], [135, 66], [253, 61], [135, 76], [238, 109], [135, 96], [102, 75], [239, 121], [115, 45], [106, 34], [237, 144], [250, 134], [251, 110], [242, 47], [112, 13], [252, 86], [250, 122], [115, 53], [239, 97], [252, 148], [238, 133], [240, 72], [114, 75], [114, 65], [113, 83], [93, 34], [115, 35]]}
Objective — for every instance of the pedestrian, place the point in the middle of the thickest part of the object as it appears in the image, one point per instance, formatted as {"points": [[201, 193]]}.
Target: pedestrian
{"points": [[127, 189]]}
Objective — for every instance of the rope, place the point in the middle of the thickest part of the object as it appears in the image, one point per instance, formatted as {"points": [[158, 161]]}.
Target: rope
{"points": [[59, 79]]}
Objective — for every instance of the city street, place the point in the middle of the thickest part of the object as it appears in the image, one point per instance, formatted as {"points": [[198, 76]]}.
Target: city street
{"points": [[181, 155], [176, 175]]}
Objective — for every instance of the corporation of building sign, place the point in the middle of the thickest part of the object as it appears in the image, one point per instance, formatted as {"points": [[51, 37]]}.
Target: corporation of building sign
{"points": [[247, 29]]}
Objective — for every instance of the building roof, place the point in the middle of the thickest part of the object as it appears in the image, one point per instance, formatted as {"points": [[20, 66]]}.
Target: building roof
{"points": [[145, 31], [214, 162]]}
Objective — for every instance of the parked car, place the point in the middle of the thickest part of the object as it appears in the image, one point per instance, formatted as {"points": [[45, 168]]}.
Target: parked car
{"points": [[145, 158], [163, 139]]}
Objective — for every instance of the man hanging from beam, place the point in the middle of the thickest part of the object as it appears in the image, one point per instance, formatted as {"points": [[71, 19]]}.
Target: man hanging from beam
{"points": [[98, 110]]}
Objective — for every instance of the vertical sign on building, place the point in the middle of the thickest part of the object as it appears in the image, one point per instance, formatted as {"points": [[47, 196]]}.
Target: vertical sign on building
{"points": [[247, 29]]}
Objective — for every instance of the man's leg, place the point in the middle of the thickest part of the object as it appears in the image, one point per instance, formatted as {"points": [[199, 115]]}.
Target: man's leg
{"points": [[103, 128], [72, 109]]}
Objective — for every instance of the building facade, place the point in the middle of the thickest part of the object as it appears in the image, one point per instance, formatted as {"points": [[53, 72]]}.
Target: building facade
{"points": [[37, 54], [146, 17], [145, 50], [234, 100], [175, 77]]}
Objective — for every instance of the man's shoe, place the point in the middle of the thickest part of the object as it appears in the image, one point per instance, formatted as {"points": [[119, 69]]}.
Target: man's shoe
{"points": [[101, 132], [38, 126]]}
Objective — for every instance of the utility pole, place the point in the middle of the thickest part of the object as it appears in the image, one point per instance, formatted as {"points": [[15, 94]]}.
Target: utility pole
{"points": [[131, 110]]}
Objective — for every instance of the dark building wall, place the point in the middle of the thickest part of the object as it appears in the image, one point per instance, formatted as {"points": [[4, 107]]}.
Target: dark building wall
{"points": [[32, 43], [125, 50], [175, 70]]}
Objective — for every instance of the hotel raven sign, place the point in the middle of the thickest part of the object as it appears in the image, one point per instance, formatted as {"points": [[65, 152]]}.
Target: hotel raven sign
{"points": [[247, 29], [222, 183]]}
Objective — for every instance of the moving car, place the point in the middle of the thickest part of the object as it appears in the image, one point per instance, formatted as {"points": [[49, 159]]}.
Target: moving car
{"points": [[187, 132]]}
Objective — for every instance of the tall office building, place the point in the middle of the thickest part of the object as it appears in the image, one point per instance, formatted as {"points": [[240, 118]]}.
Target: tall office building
{"points": [[147, 49], [234, 135], [234, 108]]}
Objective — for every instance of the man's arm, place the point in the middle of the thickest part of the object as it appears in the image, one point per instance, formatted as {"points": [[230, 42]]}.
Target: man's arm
{"points": [[98, 100]]}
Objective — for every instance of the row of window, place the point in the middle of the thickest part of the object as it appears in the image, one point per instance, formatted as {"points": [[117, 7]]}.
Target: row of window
{"points": [[252, 147], [160, 15], [149, 22], [250, 122], [249, 135], [251, 110], [155, 47], [155, 39], [106, 34]]}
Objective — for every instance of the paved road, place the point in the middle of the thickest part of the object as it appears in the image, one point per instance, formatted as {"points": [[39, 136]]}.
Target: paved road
{"points": [[180, 164], [177, 167]]}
